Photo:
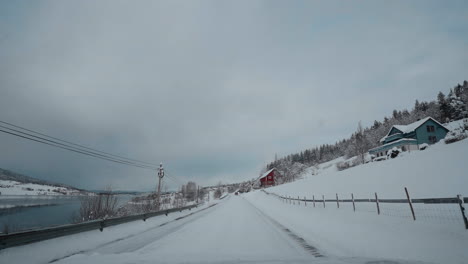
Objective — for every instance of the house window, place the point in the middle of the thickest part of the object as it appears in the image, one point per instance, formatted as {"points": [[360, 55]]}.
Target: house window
{"points": [[432, 139], [430, 128]]}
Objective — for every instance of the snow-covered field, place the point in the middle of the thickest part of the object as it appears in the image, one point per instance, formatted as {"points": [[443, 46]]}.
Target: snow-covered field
{"points": [[18, 188], [439, 171]]}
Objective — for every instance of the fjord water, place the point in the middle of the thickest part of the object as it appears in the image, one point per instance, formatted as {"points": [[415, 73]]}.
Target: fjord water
{"points": [[32, 212]]}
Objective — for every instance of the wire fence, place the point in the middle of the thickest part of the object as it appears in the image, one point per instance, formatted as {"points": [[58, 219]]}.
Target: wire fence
{"points": [[431, 210]]}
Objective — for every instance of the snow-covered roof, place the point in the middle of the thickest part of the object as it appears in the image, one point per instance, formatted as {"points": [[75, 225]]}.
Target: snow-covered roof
{"points": [[266, 173], [411, 127], [409, 140]]}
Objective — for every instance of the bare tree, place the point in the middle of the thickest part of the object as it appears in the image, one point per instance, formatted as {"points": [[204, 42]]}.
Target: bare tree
{"points": [[190, 191], [361, 145], [100, 206]]}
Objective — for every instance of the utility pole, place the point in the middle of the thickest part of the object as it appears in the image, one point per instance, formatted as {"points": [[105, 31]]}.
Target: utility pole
{"points": [[160, 176]]}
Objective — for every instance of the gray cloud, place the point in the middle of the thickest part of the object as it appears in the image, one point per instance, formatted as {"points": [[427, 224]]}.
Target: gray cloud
{"points": [[212, 88]]}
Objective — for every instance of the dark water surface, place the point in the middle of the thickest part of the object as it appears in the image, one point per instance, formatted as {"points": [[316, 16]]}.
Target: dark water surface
{"points": [[31, 212]]}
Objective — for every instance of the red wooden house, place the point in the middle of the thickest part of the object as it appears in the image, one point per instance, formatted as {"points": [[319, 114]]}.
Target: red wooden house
{"points": [[269, 178]]}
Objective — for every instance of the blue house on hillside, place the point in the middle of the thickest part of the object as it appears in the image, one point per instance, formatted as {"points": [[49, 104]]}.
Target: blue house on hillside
{"points": [[409, 137]]}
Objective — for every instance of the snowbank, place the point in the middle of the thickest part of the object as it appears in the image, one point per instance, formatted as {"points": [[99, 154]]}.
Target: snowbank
{"points": [[62, 247], [342, 233]]}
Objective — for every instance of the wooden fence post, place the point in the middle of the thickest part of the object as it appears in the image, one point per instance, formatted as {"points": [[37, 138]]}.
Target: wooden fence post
{"points": [[462, 208], [410, 204], [313, 200], [354, 206], [323, 197], [337, 201], [377, 203]]}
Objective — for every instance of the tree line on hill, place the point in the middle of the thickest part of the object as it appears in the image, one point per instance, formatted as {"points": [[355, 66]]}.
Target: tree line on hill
{"points": [[445, 108]]}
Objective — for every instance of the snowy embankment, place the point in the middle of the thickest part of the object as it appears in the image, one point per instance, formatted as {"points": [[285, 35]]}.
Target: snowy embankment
{"points": [[18, 188], [342, 233], [437, 236], [438, 171]]}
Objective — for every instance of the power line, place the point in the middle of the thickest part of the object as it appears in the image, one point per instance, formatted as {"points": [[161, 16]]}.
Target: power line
{"points": [[169, 174], [77, 145], [74, 150], [54, 143], [81, 149]]}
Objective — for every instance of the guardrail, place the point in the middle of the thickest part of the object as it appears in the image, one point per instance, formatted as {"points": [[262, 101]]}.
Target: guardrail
{"points": [[450, 209], [31, 236]]}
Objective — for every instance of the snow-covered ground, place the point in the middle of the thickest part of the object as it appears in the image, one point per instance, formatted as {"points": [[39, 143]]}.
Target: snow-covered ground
{"points": [[18, 188], [439, 171], [341, 233]]}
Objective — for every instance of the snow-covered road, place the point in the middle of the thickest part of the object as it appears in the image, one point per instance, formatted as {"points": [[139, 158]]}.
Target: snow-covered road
{"points": [[233, 231]]}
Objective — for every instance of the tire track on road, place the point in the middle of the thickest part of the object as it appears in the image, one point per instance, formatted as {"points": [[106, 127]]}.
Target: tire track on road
{"points": [[301, 241]]}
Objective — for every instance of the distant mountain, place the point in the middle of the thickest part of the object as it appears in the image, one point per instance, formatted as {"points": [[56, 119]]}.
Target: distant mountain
{"points": [[12, 183]]}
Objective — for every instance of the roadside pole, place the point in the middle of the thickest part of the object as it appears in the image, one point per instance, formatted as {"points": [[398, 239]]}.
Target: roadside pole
{"points": [[160, 176]]}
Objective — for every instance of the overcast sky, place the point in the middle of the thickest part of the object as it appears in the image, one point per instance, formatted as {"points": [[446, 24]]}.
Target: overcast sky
{"points": [[212, 88]]}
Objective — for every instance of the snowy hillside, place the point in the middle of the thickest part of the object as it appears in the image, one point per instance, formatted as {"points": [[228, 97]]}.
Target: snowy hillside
{"points": [[436, 235], [18, 188], [438, 171], [16, 184]]}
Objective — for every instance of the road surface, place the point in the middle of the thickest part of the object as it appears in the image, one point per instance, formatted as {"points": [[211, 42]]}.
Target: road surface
{"points": [[233, 231]]}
